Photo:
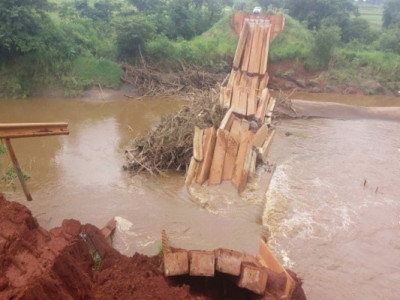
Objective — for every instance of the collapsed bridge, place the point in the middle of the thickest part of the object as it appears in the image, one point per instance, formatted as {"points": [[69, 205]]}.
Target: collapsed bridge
{"points": [[245, 134]]}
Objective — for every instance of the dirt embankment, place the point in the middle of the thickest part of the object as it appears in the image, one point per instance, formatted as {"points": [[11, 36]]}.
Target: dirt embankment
{"points": [[74, 261], [291, 74], [60, 264]]}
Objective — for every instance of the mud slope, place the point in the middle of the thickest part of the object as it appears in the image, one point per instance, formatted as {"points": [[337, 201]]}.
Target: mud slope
{"points": [[74, 261], [57, 264]]}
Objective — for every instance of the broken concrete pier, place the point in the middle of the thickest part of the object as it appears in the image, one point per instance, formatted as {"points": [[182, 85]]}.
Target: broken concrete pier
{"points": [[247, 271]]}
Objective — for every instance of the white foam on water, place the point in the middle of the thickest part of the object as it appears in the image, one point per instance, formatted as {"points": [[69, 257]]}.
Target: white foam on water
{"points": [[145, 241], [124, 234], [287, 262], [279, 181], [124, 226]]}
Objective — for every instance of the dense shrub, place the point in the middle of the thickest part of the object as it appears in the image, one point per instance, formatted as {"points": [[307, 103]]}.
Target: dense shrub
{"points": [[327, 39], [389, 41], [360, 30]]}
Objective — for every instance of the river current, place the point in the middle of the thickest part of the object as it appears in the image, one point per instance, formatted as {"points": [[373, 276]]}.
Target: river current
{"points": [[332, 208]]}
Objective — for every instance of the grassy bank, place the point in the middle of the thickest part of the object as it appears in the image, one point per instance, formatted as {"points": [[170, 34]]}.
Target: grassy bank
{"points": [[87, 71], [82, 46], [214, 49]]}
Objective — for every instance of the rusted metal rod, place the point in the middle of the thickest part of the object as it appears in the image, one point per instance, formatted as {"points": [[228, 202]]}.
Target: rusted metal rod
{"points": [[18, 169], [21, 130]]}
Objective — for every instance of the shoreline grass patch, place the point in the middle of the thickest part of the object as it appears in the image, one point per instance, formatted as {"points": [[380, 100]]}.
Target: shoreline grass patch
{"points": [[89, 70]]}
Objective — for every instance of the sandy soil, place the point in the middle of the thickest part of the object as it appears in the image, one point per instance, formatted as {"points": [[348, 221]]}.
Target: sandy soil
{"points": [[331, 110]]}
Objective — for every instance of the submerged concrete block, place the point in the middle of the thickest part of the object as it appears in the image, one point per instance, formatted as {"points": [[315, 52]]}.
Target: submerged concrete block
{"points": [[202, 263], [228, 261], [176, 262]]}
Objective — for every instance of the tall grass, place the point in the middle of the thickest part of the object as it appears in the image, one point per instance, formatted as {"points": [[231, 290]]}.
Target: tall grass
{"points": [[89, 70], [362, 66], [215, 48]]}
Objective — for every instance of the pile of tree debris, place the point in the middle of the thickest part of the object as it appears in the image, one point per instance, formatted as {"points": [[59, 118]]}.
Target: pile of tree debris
{"points": [[284, 107], [151, 81], [169, 145]]}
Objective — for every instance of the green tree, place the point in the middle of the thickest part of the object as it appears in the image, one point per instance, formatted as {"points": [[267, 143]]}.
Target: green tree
{"points": [[391, 14], [358, 29], [21, 23], [327, 39], [389, 40], [181, 18], [273, 3], [321, 12], [147, 5], [132, 34], [100, 11]]}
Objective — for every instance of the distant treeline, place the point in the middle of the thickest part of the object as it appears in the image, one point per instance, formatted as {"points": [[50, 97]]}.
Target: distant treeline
{"points": [[77, 43]]}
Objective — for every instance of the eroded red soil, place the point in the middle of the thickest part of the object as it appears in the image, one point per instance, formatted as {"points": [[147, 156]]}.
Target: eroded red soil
{"points": [[74, 261], [57, 264]]}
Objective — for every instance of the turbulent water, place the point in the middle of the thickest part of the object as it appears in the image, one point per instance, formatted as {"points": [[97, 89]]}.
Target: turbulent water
{"points": [[332, 207]]}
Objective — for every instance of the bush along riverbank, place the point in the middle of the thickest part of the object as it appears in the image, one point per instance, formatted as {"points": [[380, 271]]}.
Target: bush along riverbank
{"points": [[73, 46]]}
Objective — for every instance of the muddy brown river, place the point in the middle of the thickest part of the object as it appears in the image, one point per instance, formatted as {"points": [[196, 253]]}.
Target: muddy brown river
{"points": [[332, 208]]}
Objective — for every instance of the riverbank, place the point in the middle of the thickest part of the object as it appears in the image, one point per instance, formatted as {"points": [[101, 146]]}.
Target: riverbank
{"points": [[291, 75], [286, 76], [75, 261], [72, 261], [331, 110]]}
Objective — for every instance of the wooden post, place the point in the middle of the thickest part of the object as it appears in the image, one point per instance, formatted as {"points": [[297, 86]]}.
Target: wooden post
{"points": [[198, 144], [217, 164], [21, 130], [18, 169], [241, 46]]}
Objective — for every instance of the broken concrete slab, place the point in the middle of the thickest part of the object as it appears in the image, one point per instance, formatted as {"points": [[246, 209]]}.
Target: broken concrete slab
{"points": [[201, 263], [176, 262], [228, 261], [108, 230], [253, 277]]}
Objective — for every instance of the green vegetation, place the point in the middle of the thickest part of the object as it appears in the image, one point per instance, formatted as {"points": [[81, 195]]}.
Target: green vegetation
{"points": [[294, 42], [97, 259], [75, 44], [391, 14], [9, 175], [3, 150], [214, 49], [78, 43], [371, 13], [316, 13], [327, 39], [365, 66], [87, 71]]}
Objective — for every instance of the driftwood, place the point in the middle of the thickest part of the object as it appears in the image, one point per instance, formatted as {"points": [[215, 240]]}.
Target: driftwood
{"points": [[284, 107], [151, 82], [169, 145]]}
